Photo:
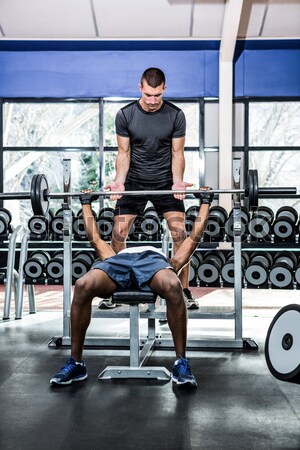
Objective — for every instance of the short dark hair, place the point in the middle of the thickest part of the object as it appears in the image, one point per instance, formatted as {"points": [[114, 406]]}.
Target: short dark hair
{"points": [[154, 77]]}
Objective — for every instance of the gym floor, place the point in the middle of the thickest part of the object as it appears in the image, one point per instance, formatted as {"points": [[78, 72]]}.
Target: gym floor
{"points": [[238, 403]]}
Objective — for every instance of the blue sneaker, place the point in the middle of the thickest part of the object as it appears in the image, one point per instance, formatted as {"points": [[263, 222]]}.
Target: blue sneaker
{"points": [[69, 373], [182, 373]]}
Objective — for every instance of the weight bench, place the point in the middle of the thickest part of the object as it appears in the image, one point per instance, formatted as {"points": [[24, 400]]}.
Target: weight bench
{"points": [[138, 356]]}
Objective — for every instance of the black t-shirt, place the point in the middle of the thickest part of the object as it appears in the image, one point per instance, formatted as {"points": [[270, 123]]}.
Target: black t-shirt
{"points": [[151, 135]]}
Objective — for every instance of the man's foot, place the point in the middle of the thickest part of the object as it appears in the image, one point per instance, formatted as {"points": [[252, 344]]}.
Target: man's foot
{"points": [[106, 303], [190, 301], [72, 371], [182, 373]]}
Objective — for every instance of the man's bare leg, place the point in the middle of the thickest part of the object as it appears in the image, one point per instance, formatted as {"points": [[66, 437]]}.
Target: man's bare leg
{"points": [[166, 284], [122, 224], [94, 283]]}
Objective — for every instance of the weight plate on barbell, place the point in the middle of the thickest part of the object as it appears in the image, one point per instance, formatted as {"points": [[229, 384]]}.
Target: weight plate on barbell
{"points": [[251, 189], [283, 344], [38, 194]]}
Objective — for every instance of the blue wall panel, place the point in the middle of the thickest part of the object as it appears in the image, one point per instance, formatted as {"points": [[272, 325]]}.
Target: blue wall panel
{"points": [[91, 69], [75, 74], [268, 73]]}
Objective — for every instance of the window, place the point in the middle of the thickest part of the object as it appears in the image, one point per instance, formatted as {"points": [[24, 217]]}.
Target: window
{"points": [[274, 142]]}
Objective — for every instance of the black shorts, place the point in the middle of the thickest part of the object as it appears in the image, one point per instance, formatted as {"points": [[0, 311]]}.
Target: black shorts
{"points": [[135, 204]]}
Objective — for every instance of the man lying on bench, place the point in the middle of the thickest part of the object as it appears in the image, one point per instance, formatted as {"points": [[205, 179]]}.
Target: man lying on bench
{"points": [[144, 267]]}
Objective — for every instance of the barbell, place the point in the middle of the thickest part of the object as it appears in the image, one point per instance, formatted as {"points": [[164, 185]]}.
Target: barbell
{"points": [[39, 193]]}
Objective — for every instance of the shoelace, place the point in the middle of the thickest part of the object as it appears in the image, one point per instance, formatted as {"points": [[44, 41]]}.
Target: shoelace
{"points": [[184, 366], [69, 367]]}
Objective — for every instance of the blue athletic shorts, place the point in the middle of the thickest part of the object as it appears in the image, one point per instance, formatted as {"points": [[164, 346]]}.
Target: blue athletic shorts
{"points": [[133, 270]]}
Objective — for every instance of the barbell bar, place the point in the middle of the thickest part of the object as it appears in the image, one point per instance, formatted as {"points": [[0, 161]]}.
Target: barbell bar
{"points": [[39, 193]]}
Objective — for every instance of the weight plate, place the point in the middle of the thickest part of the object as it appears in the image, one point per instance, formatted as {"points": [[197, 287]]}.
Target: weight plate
{"points": [[55, 268], [86, 256], [208, 272], [57, 225], [150, 225], [251, 189], [33, 268], [6, 215], [38, 224], [42, 256], [297, 274], [227, 272], [79, 268], [256, 274], [214, 227], [265, 211], [38, 195], [259, 227], [105, 226], [192, 211], [288, 257], [289, 212], [283, 228], [283, 344], [3, 225], [281, 275], [78, 227], [218, 211]]}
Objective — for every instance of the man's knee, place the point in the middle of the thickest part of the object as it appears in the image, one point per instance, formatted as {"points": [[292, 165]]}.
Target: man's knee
{"points": [[83, 289], [173, 290]]}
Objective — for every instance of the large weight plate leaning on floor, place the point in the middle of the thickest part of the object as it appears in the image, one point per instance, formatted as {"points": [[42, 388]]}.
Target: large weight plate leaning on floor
{"points": [[282, 347]]}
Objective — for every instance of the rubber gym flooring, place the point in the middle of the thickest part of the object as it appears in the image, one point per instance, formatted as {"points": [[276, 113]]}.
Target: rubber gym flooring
{"points": [[238, 403]]}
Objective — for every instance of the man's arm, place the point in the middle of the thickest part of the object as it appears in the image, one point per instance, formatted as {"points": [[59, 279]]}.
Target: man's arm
{"points": [[189, 245], [122, 166], [103, 249], [178, 166]]}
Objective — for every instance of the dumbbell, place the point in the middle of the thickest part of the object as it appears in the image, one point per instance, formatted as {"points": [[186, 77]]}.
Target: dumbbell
{"points": [[284, 225], [78, 228], [189, 222], [57, 227], [81, 264], [5, 222], [245, 217], [210, 268], [297, 272], [106, 212], [105, 226], [256, 273], [38, 226], [260, 225], [192, 211], [150, 227], [55, 267], [195, 261], [215, 227], [227, 271], [282, 271], [135, 232], [35, 266]]}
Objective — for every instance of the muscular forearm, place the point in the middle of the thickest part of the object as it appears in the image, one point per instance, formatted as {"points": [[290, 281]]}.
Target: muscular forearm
{"points": [[178, 165], [122, 166], [102, 248]]}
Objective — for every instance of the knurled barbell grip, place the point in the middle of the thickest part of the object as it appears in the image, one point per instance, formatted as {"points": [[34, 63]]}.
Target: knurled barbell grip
{"points": [[152, 192]]}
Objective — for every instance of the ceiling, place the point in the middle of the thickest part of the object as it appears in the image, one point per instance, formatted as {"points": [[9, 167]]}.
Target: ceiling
{"points": [[142, 19]]}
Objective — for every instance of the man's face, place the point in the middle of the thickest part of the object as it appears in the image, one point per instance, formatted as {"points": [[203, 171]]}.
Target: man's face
{"points": [[151, 97]]}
